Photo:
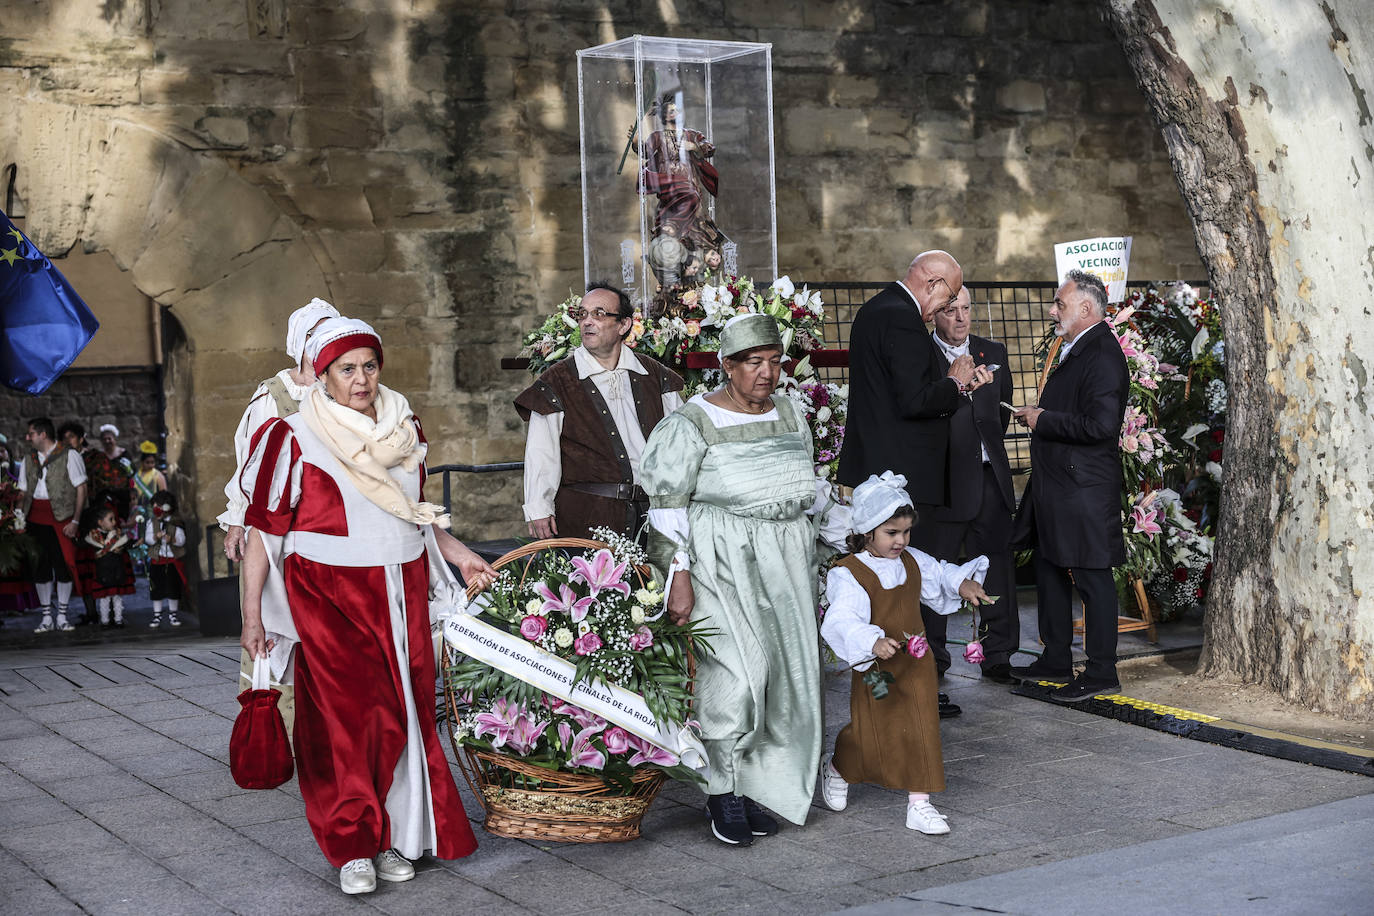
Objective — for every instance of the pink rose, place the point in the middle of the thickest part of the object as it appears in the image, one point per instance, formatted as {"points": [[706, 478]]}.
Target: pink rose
{"points": [[917, 646], [533, 627], [641, 639], [586, 645], [973, 653], [616, 739]]}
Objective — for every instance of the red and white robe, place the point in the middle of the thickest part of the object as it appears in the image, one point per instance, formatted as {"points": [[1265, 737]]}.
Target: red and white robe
{"points": [[371, 767]]}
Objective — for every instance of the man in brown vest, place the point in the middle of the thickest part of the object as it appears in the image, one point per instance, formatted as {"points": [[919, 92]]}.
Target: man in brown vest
{"points": [[589, 416], [53, 478]]}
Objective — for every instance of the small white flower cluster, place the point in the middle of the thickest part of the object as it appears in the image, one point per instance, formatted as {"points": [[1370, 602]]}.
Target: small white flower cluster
{"points": [[1216, 396], [625, 550]]}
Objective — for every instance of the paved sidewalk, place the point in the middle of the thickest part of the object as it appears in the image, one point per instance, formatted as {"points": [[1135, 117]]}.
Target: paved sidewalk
{"points": [[113, 768]]}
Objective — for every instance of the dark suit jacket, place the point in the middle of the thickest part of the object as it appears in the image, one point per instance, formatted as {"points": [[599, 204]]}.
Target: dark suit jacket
{"points": [[899, 399], [1072, 508], [978, 422]]}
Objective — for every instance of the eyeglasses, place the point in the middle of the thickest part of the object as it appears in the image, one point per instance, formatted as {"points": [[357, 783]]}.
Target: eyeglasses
{"points": [[577, 314]]}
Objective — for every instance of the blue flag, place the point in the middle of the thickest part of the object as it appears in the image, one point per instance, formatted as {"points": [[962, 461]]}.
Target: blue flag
{"points": [[45, 324]]}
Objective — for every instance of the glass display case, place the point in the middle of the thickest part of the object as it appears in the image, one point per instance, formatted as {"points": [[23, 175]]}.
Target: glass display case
{"points": [[677, 164]]}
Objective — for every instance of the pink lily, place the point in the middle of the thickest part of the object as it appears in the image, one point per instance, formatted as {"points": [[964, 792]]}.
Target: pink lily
{"points": [[601, 574], [581, 753], [1144, 521], [499, 722], [525, 734], [579, 715], [647, 752], [566, 601]]}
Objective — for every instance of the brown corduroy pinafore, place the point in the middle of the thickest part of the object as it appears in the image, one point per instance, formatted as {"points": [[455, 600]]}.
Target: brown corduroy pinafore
{"points": [[894, 742]]}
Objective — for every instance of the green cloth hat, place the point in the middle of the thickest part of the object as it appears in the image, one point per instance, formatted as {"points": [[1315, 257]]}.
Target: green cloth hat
{"points": [[745, 332]]}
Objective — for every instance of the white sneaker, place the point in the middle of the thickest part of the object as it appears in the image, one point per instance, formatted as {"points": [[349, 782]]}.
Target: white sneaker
{"points": [[922, 816], [157, 622], [63, 625], [834, 790], [392, 866], [172, 620], [358, 877], [45, 625]]}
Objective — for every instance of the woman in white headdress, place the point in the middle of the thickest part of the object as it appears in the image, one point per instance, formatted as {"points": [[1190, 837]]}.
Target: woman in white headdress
{"points": [[341, 481]]}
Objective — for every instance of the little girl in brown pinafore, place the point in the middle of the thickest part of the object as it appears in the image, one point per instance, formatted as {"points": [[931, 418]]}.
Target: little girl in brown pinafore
{"points": [[875, 596]]}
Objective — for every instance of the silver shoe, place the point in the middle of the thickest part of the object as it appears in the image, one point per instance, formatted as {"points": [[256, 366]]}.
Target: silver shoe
{"points": [[358, 877], [392, 866]]}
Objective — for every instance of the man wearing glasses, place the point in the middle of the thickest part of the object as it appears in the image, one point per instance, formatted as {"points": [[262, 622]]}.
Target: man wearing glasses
{"points": [[589, 416], [901, 395]]}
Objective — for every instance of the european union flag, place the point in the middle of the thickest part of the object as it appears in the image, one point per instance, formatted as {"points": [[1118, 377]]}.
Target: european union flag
{"points": [[45, 323]]}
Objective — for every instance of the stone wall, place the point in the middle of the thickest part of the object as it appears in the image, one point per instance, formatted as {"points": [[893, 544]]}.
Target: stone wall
{"points": [[126, 399], [417, 164]]}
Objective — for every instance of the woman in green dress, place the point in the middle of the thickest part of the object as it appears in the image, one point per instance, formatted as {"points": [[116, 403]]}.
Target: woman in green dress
{"points": [[731, 483]]}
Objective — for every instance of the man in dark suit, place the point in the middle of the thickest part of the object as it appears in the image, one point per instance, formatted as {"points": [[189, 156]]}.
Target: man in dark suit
{"points": [[1072, 508], [977, 519], [901, 393]]}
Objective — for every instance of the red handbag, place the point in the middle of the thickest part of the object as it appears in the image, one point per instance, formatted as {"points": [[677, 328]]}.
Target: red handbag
{"points": [[259, 752]]}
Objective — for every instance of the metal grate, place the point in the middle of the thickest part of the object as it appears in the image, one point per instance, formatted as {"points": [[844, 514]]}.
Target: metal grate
{"points": [[1014, 314]]}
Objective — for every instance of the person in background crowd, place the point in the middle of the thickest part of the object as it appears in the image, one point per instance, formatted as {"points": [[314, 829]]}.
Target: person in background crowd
{"points": [[109, 444], [121, 469], [9, 468], [166, 540], [109, 575], [589, 416], [53, 478], [17, 594]]}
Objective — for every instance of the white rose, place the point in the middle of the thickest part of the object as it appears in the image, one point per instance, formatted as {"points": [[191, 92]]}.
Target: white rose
{"points": [[534, 606], [842, 392], [562, 637], [636, 615], [823, 414]]}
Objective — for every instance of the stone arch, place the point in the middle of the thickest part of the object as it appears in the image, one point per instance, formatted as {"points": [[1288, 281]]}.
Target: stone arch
{"points": [[216, 251]]}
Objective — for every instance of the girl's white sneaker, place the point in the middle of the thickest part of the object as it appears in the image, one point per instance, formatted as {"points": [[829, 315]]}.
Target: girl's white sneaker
{"points": [[922, 816], [834, 790]]}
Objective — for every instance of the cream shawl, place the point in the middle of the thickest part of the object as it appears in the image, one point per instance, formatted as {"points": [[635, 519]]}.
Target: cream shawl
{"points": [[367, 449]]}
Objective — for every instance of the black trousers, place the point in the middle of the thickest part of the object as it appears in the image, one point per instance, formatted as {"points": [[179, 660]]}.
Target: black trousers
{"points": [[987, 533], [1054, 597], [51, 564]]}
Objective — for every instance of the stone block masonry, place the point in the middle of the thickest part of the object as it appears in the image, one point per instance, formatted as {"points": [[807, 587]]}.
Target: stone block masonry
{"points": [[416, 164]]}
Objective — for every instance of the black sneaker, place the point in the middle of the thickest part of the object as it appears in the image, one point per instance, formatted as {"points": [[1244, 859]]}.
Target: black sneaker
{"points": [[1038, 672], [729, 823], [948, 710], [1083, 688], [998, 673], [760, 822]]}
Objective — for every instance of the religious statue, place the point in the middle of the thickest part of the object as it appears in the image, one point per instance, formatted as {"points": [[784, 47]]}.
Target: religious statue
{"points": [[677, 169]]}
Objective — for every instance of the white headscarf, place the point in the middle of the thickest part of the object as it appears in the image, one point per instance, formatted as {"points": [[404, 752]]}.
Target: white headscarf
{"points": [[110, 428], [300, 323], [876, 500]]}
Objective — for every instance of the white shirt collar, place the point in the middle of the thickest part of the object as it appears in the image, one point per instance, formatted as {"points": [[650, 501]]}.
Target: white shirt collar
{"points": [[297, 392], [1068, 344], [951, 352], [587, 364]]}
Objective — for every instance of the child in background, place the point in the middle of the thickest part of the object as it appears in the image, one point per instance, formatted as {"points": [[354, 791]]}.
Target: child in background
{"points": [[110, 576], [875, 596], [166, 541]]}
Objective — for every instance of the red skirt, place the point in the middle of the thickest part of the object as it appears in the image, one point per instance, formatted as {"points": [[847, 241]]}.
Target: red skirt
{"points": [[85, 571], [351, 718]]}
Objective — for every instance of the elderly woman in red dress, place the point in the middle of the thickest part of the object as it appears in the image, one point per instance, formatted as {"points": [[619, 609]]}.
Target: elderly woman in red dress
{"points": [[341, 482]]}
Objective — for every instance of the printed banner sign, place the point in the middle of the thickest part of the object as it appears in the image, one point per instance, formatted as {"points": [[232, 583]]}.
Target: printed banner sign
{"points": [[512, 655], [1106, 258]]}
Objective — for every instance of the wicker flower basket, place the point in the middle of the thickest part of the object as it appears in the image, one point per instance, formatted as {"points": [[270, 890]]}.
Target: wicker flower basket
{"points": [[531, 802]]}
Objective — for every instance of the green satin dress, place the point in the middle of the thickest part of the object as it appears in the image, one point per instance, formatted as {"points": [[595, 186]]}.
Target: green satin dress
{"points": [[753, 563]]}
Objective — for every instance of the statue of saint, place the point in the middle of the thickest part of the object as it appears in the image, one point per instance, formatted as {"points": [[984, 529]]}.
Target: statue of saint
{"points": [[677, 169]]}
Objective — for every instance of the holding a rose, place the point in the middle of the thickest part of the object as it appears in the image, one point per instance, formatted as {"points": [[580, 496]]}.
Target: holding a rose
{"points": [[875, 595]]}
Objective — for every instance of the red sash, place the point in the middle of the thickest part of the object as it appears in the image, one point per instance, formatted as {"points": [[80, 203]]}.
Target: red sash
{"points": [[40, 513], [175, 563]]}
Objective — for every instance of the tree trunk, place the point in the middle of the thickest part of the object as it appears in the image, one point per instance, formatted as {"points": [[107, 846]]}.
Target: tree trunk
{"points": [[1263, 106]]}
